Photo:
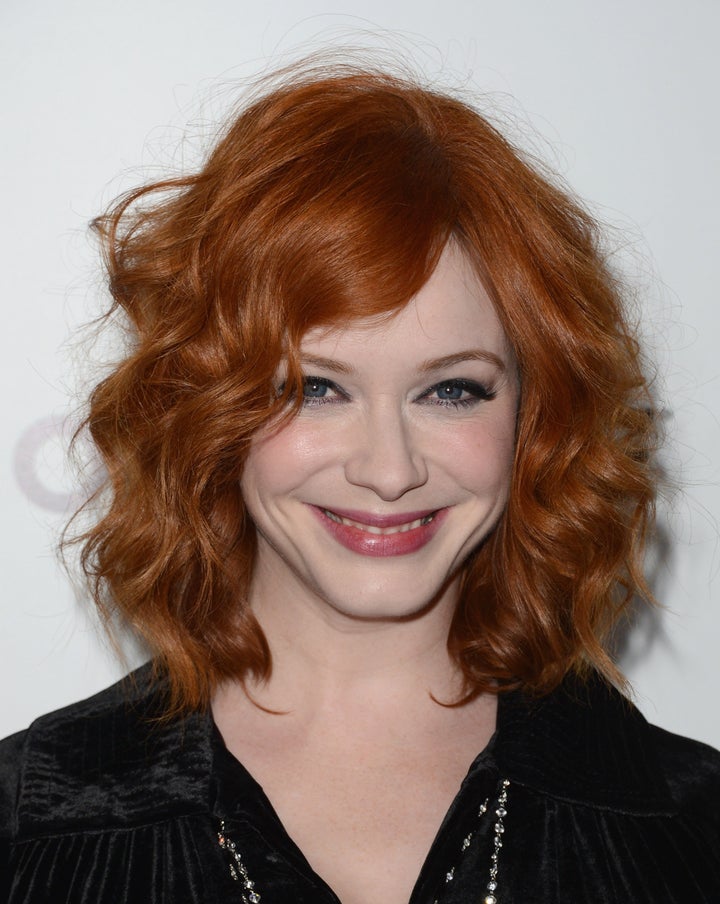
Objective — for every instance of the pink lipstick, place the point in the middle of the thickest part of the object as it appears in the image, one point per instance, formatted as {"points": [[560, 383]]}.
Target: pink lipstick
{"points": [[368, 534]]}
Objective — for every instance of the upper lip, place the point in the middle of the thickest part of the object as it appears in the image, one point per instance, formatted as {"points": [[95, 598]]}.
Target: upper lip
{"points": [[376, 520]]}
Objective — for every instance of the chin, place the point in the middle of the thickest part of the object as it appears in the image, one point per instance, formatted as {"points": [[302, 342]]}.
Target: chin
{"points": [[388, 603]]}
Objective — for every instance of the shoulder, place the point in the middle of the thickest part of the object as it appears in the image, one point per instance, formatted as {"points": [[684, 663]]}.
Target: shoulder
{"points": [[588, 744], [691, 770], [611, 802], [108, 761]]}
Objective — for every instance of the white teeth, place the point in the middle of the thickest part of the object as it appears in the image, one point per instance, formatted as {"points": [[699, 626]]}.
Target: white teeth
{"points": [[382, 531]]}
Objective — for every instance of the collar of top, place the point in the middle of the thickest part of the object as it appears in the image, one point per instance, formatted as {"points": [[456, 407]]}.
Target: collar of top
{"points": [[109, 762]]}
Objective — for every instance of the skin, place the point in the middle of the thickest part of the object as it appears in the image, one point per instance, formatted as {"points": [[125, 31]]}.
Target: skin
{"points": [[414, 415]]}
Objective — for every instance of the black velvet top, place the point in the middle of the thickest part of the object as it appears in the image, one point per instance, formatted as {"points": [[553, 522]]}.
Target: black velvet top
{"points": [[99, 805]]}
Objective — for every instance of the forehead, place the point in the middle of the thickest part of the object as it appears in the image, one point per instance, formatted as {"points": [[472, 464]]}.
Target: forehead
{"points": [[452, 311]]}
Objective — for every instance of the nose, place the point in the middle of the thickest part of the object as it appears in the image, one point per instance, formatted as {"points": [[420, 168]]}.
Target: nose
{"points": [[385, 455]]}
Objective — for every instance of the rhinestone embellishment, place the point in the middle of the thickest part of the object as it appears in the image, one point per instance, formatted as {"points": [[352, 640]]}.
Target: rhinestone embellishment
{"points": [[498, 831], [237, 868], [500, 813], [239, 872]]}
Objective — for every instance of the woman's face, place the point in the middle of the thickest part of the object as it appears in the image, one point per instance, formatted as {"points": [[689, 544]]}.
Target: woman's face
{"points": [[368, 502]]}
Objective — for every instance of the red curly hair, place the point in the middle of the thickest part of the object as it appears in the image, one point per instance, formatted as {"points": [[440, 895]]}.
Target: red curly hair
{"points": [[328, 198]]}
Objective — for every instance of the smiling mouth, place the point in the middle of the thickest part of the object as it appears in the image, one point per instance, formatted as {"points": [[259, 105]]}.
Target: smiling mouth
{"points": [[380, 531]]}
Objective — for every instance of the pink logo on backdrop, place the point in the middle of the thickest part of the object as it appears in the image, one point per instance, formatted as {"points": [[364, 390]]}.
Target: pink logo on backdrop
{"points": [[41, 465]]}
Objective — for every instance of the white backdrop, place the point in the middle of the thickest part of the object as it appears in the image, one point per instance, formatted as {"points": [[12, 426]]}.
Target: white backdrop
{"points": [[625, 91]]}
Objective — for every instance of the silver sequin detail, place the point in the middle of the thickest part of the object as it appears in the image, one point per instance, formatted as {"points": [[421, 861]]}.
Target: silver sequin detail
{"points": [[237, 868], [500, 813], [250, 896]]}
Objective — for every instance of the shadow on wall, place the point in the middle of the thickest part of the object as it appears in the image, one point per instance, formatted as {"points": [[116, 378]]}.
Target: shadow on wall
{"points": [[643, 626]]}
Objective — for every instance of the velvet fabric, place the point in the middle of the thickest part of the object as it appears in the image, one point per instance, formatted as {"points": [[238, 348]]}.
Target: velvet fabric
{"points": [[100, 803]]}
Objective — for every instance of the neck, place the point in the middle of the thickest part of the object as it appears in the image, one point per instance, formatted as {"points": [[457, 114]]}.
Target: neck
{"points": [[324, 658]]}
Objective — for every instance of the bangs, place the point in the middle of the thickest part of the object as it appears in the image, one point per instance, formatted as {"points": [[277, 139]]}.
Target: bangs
{"points": [[349, 205], [364, 241]]}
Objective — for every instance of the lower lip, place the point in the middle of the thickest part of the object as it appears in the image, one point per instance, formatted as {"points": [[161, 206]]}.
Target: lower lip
{"points": [[363, 542]]}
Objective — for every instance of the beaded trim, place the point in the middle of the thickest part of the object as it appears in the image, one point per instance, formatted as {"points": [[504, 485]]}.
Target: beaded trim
{"points": [[250, 896], [499, 830], [237, 868], [501, 813]]}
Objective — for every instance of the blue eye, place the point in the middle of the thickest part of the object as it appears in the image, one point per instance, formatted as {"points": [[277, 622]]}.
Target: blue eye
{"points": [[315, 388], [457, 394], [451, 392], [321, 391]]}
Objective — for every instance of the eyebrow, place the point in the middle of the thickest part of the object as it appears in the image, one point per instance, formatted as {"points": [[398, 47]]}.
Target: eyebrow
{"points": [[431, 364], [471, 354], [326, 363]]}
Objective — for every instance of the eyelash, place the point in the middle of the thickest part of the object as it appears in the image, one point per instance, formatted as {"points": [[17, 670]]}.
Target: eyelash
{"points": [[478, 392], [309, 401]]}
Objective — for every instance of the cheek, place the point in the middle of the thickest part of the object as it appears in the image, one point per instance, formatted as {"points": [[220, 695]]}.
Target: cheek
{"points": [[281, 461], [479, 453]]}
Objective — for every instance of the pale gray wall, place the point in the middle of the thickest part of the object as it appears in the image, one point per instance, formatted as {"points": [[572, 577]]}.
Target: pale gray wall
{"points": [[626, 94]]}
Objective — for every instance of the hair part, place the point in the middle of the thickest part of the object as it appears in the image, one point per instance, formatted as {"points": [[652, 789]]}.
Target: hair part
{"points": [[330, 198]]}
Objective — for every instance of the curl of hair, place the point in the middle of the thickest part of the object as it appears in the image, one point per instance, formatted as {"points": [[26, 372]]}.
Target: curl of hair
{"points": [[328, 198]]}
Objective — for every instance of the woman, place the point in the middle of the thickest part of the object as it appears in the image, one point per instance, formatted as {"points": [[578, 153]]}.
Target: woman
{"points": [[379, 469]]}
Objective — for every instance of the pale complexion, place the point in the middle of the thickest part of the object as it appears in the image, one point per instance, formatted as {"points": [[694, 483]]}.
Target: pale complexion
{"points": [[411, 420]]}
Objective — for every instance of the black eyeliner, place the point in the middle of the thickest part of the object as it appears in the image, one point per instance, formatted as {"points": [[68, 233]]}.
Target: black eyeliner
{"points": [[479, 392]]}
